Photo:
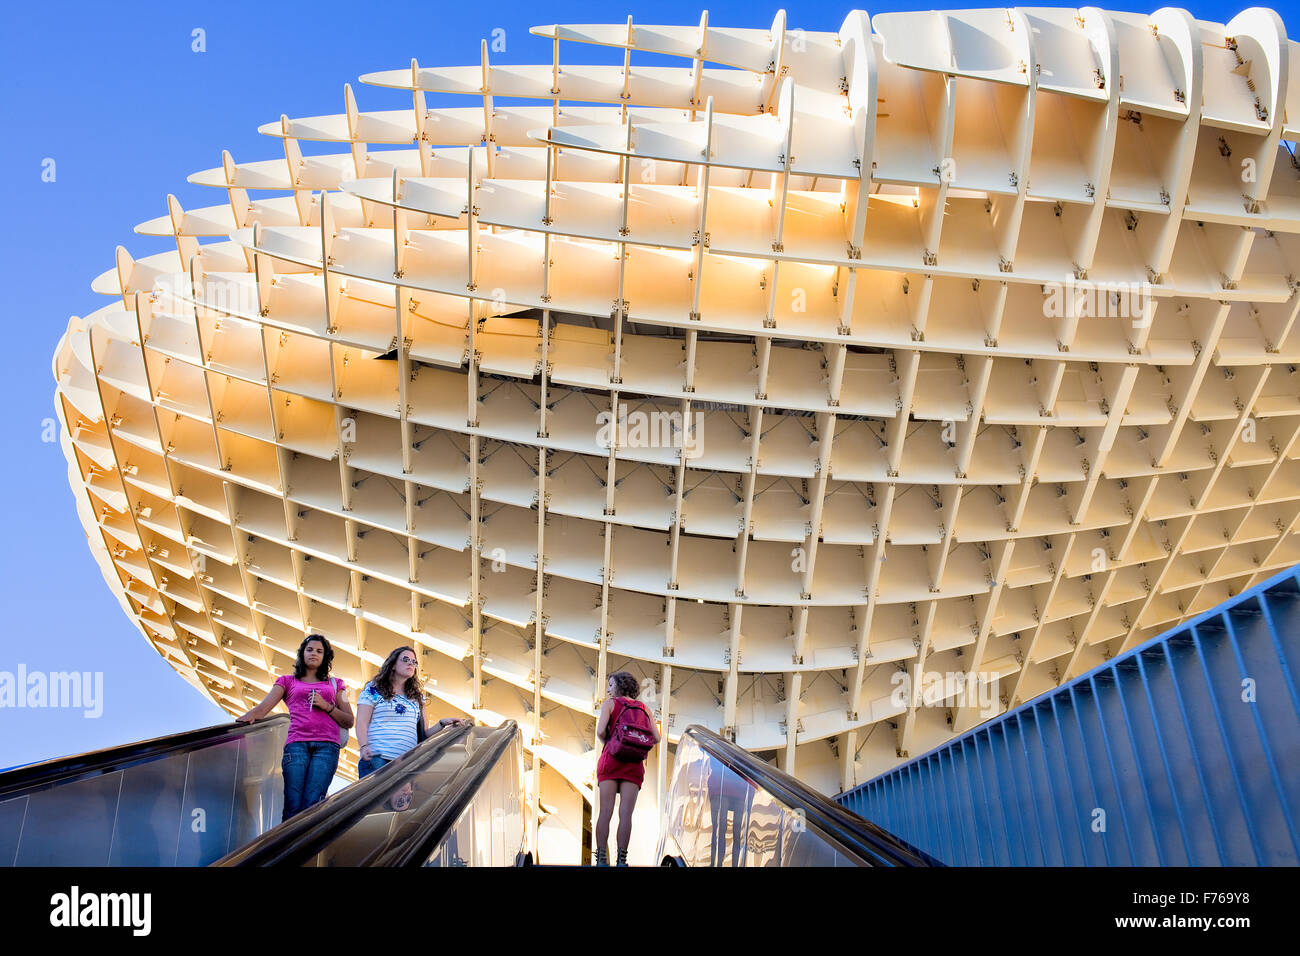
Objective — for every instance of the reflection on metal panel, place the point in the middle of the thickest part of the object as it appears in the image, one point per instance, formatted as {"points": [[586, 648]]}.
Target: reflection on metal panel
{"points": [[718, 818], [490, 830], [728, 808]]}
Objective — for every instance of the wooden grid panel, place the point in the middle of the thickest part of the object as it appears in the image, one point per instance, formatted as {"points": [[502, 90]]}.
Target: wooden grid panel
{"points": [[967, 344]]}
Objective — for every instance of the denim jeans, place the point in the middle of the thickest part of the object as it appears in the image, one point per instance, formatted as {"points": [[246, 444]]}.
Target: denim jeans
{"points": [[308, 767], [368, 765]]}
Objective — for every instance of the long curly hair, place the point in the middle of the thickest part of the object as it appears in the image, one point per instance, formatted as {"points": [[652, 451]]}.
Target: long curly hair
{"points": [[383, 681], [300, 665]]}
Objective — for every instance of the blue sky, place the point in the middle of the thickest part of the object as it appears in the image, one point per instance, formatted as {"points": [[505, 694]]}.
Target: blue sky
{"points": [[115, 95]]}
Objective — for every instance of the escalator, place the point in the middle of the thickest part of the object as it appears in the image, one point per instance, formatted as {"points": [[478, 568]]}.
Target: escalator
{"points": [[182, 800], [727, 807], [214, 797], [454, 800]]}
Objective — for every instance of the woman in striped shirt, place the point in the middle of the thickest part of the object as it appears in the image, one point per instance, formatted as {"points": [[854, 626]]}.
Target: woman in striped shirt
{"points": [[390, 712]]}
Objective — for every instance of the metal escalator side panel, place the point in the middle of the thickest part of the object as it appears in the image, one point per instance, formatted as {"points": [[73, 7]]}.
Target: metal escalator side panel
{"points": [[46, 773], [490, 830], [183, 800], [345, 829], [477, 816], [727, 808]]}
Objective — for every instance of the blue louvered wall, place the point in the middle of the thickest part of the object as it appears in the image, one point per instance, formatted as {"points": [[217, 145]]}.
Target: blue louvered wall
{"points": [[1160, 739]]}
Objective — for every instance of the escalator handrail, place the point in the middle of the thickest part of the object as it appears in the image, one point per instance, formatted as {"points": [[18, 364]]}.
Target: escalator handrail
{"points": [[853, 836], [305, 834], [49, 773], [436, 821]]}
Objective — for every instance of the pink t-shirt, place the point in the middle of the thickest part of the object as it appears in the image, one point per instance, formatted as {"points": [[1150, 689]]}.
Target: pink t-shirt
{"points": [[307, 723]]}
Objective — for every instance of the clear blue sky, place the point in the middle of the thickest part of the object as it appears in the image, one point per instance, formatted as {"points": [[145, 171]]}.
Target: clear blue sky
{"points": [[115, 95]]}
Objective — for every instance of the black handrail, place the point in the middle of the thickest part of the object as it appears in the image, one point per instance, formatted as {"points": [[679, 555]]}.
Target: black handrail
{"points": [[859, 839], [302, 836], [49, 773], [422, 834]]}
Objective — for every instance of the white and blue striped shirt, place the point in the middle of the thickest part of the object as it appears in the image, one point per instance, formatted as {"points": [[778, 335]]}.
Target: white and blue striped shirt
{"points": [[392, 725]]}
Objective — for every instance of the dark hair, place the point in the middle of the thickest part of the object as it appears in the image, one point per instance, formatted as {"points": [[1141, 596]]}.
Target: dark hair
{"points": [[625, 684], [300, 666], [383, 681]]}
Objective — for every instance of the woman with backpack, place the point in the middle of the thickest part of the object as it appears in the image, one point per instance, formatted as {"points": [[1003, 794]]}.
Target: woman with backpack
{"points": [[319, 718], [390, 712], [629, 733]]}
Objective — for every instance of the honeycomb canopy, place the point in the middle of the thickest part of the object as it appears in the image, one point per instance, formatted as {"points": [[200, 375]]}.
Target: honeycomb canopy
{"points": [[846, 388]]}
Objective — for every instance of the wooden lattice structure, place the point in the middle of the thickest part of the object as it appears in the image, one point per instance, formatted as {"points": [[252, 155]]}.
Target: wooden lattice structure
{"points": [[947, 343]]}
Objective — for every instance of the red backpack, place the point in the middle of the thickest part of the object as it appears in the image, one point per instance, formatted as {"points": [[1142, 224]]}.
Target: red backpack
{"points": [[631, 734]]}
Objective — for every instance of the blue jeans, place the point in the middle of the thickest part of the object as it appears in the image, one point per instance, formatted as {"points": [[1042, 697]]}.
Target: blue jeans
{"points": [[308, 767], [368, 765]]}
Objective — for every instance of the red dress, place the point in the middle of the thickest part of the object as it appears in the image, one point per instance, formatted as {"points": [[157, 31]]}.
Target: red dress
{"points": [[607, 768]]}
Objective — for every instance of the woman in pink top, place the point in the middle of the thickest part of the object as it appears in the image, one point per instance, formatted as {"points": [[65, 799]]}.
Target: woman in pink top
{"points": [[318, 715]]}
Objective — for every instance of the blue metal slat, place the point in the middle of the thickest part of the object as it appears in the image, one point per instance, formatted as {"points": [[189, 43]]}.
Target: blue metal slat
{"points": [[1125, 769], [1243, 779], [1177, 652], [900, 805], [888, 807], [1281, 609], [1071, 835], [955, 817], [899, 796], [968, 826], [1107, 679], [984, 762], [1010, 789], [1179, 760], [1142, 744], [922, 780], [859, 804], [871, 801], [1206, 730], [1055, 851], [1098, 772], [886, 794], [1244, 624], [1151, 663], [908, 782], [1027, 817], [962, 796], [1005, 777], [1029, 792], [1078, 783], [985, 798], [1075, 749], [971, 786]]}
